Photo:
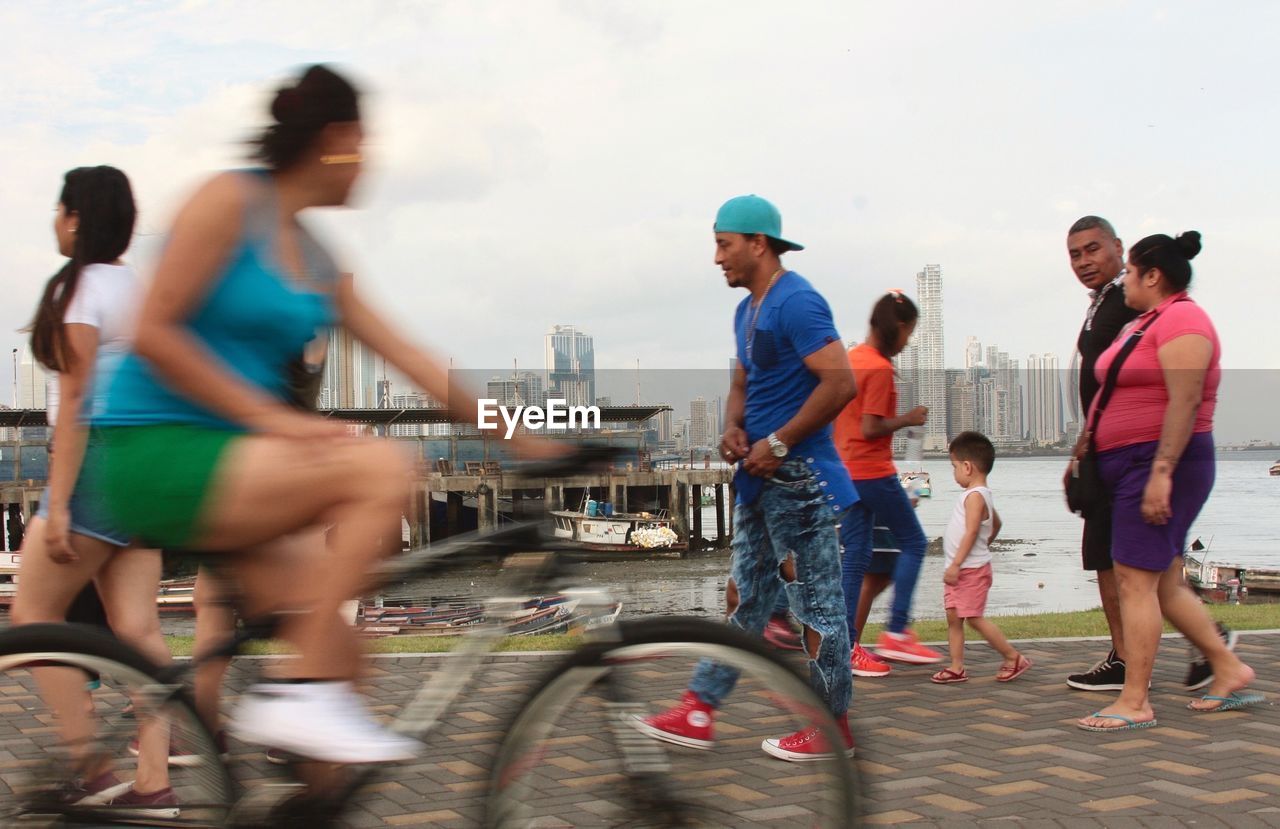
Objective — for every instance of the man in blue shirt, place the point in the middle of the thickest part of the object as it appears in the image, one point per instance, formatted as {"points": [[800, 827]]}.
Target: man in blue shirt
{"points": [[790, 381]]}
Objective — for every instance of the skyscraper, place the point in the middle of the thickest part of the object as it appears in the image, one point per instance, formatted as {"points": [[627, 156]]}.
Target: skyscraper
{"points": [[32, 380], [337, 390], [972, 352], [1044, 400], [931, 379], [571, 365], [699, 423]]}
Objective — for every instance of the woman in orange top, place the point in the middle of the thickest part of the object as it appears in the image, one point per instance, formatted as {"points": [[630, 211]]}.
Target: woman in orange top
{"points": [[864, 439]]}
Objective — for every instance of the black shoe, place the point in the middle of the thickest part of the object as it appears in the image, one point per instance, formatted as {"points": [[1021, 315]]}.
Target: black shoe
{"points": [[1199, 672], [1107, 675]]}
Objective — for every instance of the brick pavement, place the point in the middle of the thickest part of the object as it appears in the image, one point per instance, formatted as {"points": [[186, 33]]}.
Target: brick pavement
{"points": [[978, 753]]}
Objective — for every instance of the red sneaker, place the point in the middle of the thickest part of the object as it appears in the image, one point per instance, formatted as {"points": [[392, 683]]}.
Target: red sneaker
{"points": [[904, 647], [863, 663], [687, 724], [809, 744], [780, 634]]}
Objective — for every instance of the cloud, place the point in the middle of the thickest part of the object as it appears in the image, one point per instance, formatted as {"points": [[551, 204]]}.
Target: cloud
{"points": [[559, 162]]}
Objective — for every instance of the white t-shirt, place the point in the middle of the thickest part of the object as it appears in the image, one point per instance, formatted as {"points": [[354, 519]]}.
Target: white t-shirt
{"points": [[981, 552], [107, 298]]}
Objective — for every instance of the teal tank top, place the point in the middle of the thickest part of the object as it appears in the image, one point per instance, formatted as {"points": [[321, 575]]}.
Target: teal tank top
{"points": [[256, 319]]}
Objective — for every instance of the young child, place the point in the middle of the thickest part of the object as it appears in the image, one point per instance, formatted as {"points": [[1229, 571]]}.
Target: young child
{"points": [[967, 544]]}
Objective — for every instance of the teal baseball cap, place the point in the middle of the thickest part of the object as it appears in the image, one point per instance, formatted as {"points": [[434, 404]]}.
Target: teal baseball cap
{"points": [[750, 215]]}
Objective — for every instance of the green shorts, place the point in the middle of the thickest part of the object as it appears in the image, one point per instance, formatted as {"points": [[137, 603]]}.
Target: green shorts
{"points": [[155, 480]]}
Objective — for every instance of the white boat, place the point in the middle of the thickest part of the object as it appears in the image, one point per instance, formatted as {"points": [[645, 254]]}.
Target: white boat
{"points": [[1275, 469], [9, 577], [595, 531], [916, 483]]}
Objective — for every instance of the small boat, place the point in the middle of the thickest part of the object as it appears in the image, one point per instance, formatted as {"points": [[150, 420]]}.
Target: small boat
{"points": [[595, 532], [1275, 469], [916, 483], [1228, 583], [546, 614], [173, 596]]}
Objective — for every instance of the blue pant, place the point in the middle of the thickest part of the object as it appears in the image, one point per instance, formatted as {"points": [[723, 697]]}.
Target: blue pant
{"points": [[892, 508], [790, 518]]}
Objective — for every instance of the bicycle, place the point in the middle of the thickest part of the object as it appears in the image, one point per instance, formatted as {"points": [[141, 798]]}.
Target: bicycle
{"points": [[571, 755]]}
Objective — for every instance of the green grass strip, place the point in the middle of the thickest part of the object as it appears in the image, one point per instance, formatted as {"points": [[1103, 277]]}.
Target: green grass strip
{"points": [[1035, 626]]}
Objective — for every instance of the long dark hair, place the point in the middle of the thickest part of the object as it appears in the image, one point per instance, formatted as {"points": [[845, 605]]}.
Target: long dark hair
{"points": [[102, 200], [301, 111], [889, 311]]}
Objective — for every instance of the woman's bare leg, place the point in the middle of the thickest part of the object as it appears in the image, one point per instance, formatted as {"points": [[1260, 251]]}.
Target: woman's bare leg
{"points": [[128, 583], [46, 589], [269, 487]]}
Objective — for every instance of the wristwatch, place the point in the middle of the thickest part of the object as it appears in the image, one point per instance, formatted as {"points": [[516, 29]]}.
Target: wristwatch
{"points": [[776, 446]]}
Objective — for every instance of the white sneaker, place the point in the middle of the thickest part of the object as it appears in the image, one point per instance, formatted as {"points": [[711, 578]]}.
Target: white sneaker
{"points": [[319, 720]]}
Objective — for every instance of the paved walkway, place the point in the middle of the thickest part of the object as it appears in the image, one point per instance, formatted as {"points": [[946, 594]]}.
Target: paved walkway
{"points": [[955, 755], [964, 755]]}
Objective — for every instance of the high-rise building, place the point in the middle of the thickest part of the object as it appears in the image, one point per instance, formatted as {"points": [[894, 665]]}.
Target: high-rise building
{"points": [[571, 365], [32, 381], [1044, 400], [364, 377], [699, 423], [961, 403], [931, 380], [407, 400], [337, 389], [665, 427], [972, 352]]}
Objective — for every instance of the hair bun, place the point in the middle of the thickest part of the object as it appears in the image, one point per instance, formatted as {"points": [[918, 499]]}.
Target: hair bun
{"points": [[286, 104], [1189, 243]]}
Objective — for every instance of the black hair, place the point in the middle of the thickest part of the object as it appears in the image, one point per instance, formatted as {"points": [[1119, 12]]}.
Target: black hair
{"points": [[102, 200], [889, 311], [1172, 256], [777, 246], [1089, 223], [301, 111], [974, 448]]}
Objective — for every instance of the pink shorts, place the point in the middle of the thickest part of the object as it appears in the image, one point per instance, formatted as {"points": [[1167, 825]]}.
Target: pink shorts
{"points": [[969, 595]]}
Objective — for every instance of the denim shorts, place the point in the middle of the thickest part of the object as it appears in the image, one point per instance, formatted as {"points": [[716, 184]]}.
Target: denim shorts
{"points": [[89, 516]]}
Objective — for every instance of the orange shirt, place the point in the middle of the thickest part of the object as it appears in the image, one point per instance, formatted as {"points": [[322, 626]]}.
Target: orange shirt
{"points": [[865, 458]]}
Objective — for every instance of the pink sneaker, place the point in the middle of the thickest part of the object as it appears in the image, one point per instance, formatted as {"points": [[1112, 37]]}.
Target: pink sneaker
{"points": [[687, 724], [904, 647], [780, 634], [809, 744], [863, 663]]}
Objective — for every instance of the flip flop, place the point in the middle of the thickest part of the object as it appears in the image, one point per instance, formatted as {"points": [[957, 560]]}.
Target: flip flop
{"points": [[1129, 724], [1228, 703], [947, 676], [1010, 674]]}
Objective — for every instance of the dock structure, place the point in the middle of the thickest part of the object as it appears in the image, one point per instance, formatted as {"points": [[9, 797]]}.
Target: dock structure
{"points": [[439, 502], [463, 480]]}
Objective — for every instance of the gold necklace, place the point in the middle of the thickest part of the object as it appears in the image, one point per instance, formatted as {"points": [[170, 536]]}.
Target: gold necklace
{"points": [[751, 328]]}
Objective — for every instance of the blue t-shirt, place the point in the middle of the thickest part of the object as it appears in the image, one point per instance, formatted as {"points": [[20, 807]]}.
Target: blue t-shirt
{"points": [[794, 322]]}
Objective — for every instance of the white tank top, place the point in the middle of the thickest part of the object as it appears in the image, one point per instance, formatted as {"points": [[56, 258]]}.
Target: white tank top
{"points": [[981, 552]]}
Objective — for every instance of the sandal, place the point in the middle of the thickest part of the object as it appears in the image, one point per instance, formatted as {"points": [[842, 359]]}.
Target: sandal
{"points": [[1228, 703], [1008, 673], [1126, 723], [947, 676]]}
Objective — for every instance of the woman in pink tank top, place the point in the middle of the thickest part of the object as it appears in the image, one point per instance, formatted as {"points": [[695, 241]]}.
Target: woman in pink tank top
{"points": [[1155, 455]]}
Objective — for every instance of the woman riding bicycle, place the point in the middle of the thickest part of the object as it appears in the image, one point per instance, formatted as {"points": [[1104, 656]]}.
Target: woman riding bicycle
{"points": [[203, 451]]}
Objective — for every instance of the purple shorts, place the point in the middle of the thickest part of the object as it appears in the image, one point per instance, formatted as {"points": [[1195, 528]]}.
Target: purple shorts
{"points": [[1125, 470]]}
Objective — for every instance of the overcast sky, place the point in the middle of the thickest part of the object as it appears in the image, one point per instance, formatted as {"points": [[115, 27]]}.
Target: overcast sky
{"points": [[538, 161]]}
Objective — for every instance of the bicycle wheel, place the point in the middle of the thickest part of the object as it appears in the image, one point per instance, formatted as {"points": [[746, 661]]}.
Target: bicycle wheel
{"points": [[42, 773], [574, 755]]}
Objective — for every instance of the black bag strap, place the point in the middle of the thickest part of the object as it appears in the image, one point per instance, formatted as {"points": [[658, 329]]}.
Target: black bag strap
{"points": [[1113, 372]]}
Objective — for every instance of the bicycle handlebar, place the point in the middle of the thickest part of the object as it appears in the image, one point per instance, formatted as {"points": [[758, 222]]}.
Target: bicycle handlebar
{"points": [[584, 460]]}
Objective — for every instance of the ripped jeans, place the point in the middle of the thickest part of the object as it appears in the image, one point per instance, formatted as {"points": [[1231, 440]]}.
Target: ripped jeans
{"points": [[791, 518]]}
